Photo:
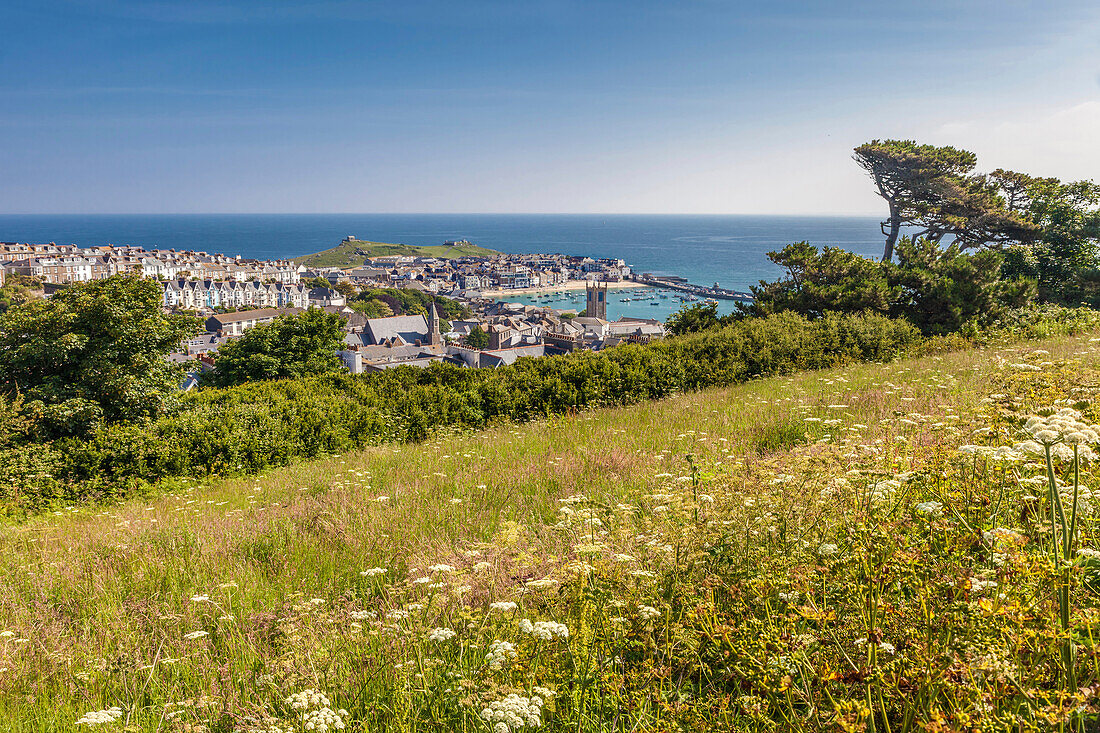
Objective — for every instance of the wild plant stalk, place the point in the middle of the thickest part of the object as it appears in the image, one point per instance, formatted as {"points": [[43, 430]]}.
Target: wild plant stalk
{"points": [[1068, 528]]}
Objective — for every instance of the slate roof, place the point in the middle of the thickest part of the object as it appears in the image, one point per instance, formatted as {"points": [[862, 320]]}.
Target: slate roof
{"points": [[500, 357], [406, 329]]}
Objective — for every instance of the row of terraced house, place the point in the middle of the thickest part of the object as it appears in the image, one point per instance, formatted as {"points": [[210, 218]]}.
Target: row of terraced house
{"points": [[209, 295], [61, 264]]}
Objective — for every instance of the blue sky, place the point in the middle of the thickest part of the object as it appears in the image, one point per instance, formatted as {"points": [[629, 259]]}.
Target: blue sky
{"points": [[695, 106]]}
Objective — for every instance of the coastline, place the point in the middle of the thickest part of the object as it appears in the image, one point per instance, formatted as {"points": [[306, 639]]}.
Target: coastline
{"points": [[571, 285]]}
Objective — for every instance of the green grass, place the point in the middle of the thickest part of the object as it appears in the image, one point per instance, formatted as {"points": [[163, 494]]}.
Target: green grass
{"points": [[713, 509], [343, 255]]}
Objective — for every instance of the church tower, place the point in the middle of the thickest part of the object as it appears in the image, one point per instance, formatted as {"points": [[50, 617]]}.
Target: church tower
{"points": [[596, 301], [434, 337]]}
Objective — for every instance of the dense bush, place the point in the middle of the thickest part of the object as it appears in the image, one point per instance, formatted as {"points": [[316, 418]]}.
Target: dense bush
{"points": [[261, 425], [940, 290]]}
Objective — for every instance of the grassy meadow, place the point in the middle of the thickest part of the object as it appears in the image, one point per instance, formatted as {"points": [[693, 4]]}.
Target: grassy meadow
{"points": [[835, 550]]}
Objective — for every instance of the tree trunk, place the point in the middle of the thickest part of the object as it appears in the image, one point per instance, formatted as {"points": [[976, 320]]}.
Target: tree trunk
{"points": [[892, 235]]}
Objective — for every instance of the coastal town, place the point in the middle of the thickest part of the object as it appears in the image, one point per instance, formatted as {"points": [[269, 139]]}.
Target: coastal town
{"points": [[234, 294]]}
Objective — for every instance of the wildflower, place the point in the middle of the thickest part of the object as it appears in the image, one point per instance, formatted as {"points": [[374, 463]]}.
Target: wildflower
{"points": [[441, 634], [503, 606], [1000, 534], [7, 634], [200, 599], [315, 711], [544, 630], [482, 567], [541, 584], [648, 613], [618, 557], [100, 717], [930, 508], [1004, 453], [500, 653], [643, 574], [422, 581], [370, 572], [977, 585], [827, 548], [512, 713], [886, 647], [1089, 553], [441, 568], [196, 635]]}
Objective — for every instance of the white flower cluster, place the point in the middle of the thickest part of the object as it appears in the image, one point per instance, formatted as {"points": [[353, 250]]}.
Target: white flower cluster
{"points": [[503, 606], [370, 572], [500, 653], [317, 715], [1003, 535], [541, 584], [307, 699], [544, 630], [515, 712], [931, 508], [648, 613], [1065, 428], [441, 568], [884, 491], [441, 634], [324, 720], [101, 717]]}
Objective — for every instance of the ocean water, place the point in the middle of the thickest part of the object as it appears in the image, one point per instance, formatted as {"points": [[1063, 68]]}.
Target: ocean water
{"points": [[728, 250]]}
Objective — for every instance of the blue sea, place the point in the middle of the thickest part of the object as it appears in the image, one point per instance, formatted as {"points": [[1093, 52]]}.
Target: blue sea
{"points": [[728, 250]]}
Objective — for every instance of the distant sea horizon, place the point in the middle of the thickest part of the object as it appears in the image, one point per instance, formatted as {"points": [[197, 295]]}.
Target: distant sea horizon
{"points": [[730, 250]]}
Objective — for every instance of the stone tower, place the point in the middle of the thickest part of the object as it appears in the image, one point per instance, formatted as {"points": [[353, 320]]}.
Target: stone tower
{"points": [[596, 302], [434, 337]]}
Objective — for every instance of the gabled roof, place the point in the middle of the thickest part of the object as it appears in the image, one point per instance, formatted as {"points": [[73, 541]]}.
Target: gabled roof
{"points": [[407, 329], [224, 318], [500, 357]]}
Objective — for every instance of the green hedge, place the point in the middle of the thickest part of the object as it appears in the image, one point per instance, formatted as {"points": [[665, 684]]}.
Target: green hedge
{"points": [[257, 426]]}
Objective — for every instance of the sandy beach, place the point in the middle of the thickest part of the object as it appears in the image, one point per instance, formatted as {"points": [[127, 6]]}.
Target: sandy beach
{"points": [[571, 285]]}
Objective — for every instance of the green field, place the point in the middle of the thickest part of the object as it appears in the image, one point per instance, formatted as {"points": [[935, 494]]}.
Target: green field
{"points": [[343, 255], [762, 557]]}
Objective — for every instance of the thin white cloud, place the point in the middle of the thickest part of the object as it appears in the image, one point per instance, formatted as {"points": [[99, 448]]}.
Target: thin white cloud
{"points": [[1063, 142]]}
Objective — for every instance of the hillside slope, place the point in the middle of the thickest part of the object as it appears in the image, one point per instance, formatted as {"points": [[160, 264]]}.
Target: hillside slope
{"points": [[346, 254], [706, 555]]}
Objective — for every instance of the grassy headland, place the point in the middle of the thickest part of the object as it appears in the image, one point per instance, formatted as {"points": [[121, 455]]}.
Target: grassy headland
{"points": [[345, 254], [814, 552]]}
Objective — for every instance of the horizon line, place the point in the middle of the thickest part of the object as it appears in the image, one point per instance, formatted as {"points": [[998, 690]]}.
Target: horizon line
{"points": [[425, 213]]}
